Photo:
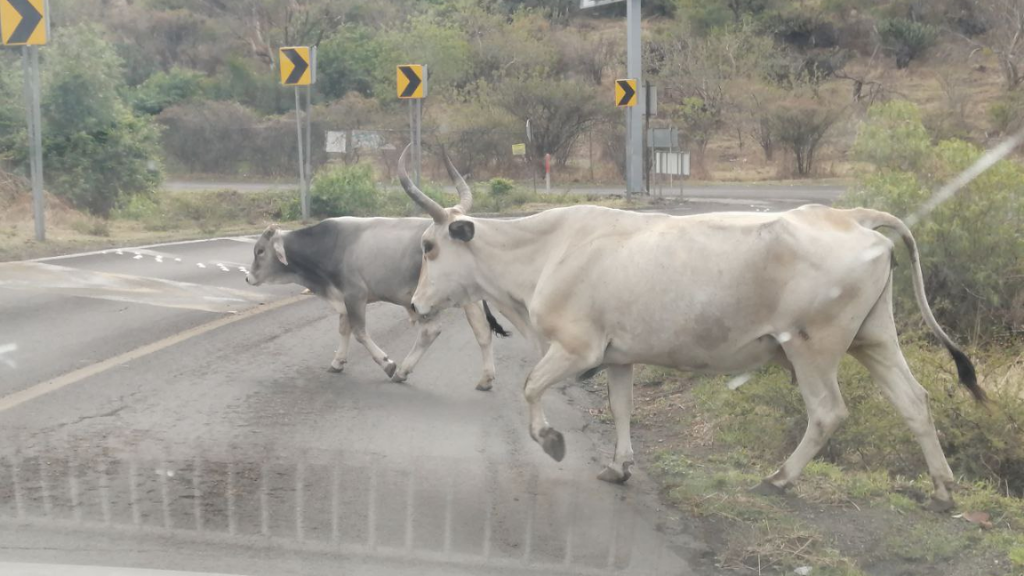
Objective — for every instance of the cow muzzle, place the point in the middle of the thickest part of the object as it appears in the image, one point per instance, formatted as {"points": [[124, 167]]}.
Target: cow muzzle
{"points": [[251, 280]]}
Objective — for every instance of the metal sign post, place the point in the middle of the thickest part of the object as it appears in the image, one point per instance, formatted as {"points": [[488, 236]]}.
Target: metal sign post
{"points": [[26, 23], [298, 68], [635, 114], [30, 63], [412, 86]]}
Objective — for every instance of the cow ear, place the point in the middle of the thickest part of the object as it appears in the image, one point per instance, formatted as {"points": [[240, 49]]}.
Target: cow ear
{"points": [[270, 231], [462, 230], [278, 244]]}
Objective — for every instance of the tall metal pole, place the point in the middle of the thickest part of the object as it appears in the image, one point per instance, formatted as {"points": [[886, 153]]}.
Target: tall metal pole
{"points": [[309, 137], [634, 127], [418, 149], [303, 195], [30, 64], [412, 132]]}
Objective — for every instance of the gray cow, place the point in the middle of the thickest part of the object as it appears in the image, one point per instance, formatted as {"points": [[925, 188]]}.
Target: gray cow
{"points": [[351, 262]]}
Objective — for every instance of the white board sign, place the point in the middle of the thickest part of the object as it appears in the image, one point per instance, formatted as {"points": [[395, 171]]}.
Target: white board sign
{"points": [[584, 4], [336, 142], [674, 163]]}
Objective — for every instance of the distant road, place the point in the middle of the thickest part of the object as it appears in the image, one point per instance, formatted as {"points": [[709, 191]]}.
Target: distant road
{"points": [[824, 193]]}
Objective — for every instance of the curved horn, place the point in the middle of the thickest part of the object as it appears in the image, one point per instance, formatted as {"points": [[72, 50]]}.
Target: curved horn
{"points": [[433, 208], [465, 195]]}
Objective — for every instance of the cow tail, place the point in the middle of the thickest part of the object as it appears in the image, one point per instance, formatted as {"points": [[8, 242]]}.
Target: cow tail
{"points": [[498, 329], [965, 369]]}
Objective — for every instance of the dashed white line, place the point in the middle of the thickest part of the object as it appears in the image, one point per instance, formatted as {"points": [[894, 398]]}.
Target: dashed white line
{"points": [[201, 265]]}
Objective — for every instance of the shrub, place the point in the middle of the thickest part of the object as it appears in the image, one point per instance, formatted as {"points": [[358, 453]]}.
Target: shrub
{"points": [[97, 151], [800, 127], [344, 191], [1007, 114], [501, 186], [165, 89], [972, 252], [905, 39], [91, 226], [212, 137]]}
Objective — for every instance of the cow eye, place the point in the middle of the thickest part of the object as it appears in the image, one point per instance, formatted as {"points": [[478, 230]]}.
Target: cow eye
{"points": [[259, 251], [428, 246]]}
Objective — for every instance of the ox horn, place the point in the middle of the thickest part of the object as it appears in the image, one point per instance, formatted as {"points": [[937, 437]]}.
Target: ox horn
{"points": [[465, 195], [433, 208]]}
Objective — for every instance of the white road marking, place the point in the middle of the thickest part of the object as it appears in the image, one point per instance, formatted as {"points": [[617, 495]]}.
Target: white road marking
{"points": [[119, 253], [201, 265], [246, 239], [32, 392], [177, 259], [137, 257]]}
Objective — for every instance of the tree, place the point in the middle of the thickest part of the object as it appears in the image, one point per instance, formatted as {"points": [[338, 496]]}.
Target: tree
{"points": [[905, 39], [801, 125], [428, 40], [97, 152], [165, 89], [347, 62], [1004, 20], [559, 110]]}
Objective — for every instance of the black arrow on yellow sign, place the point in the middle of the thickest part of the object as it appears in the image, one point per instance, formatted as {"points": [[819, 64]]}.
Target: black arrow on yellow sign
{"points": [[299, 63], [30, 18], [625, 93], [414, 81]]}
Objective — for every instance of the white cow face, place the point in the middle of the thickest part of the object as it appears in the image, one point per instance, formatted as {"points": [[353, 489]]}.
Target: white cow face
{"points": [[269, 263], [447, 276]]}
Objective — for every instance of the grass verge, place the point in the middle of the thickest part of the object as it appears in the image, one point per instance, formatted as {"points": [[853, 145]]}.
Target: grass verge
{"points": [[858, 508]]}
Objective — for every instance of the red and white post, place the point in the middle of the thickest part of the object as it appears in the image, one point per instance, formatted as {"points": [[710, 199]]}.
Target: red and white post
{"points": [[547, 172]]}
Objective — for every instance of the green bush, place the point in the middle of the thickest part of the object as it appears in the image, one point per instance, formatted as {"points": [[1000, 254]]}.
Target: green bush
{"points": [[1007, 114], [905, 39], [344, 191], [972, 251], [165, 89], [91, 226], [501, 186], [97, 151], [766, 417]]}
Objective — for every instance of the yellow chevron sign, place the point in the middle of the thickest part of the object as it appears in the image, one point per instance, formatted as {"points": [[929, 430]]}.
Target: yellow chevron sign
{"points": [[412, 81], [625, 92], [297, 65], [23, 22]]}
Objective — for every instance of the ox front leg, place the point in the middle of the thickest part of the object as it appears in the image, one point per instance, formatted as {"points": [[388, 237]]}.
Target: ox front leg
{"points": [[620, 398], [482, 332], [357, 320], [556, 364], [428, 332], [341, 356]]}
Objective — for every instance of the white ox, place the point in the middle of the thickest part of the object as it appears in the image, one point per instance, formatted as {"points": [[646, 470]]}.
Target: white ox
{"points": [[712, 293]]}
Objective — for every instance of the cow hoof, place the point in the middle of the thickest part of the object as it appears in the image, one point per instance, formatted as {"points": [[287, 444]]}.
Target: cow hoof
{"points": [[612, 475], [766, 488], [936, 505], [400, 376], [336, 369], [553, 443], [484, 386], [390, 368]]}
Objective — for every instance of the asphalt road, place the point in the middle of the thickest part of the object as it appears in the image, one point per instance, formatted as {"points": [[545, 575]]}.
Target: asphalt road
{"points": [[156, 412]]}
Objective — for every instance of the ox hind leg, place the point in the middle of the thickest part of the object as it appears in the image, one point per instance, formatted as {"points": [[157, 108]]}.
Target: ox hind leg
{"points": [[429, 330], [357, 321], [557, 364], [620, 398], [482, 332], [816, 366], [877, 348]]}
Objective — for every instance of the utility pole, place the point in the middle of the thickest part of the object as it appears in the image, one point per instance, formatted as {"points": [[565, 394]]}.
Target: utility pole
{"points": [[634, 114]]}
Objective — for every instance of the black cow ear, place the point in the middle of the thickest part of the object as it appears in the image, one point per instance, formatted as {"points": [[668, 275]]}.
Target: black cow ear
{"points": [[462, 230]]}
